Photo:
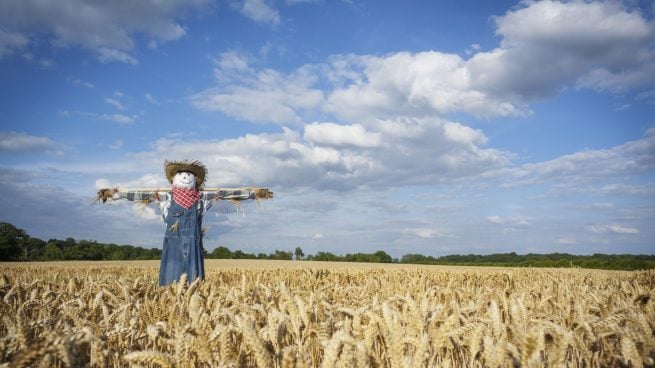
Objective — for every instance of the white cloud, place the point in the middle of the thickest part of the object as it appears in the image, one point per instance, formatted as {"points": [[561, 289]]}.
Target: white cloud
{"points": [[405, 84], [106, 55], [102, 184], [494, 219], [259, 11], [647, 190], [232, 61], [546, 46], [514, 221], [648, 96], [83, 83], [549, 45], [263, 96], [623, 230], [423, 232], [143, 181], [21, 143], [151, 99], [566, 241], [105, 27], [631, 158], [387, 153], [474, 48], [115, 103], [331, 134], [616, 229], [147, 213], [116, 118]]}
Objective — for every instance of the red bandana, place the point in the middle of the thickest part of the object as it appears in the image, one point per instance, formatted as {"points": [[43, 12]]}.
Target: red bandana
{"points": [[185, 197]]}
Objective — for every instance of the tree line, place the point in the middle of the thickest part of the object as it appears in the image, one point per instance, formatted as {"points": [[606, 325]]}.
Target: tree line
{"points": [[597, 260], [17, 245]]}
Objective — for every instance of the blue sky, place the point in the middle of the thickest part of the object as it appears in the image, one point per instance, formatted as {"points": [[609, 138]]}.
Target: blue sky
{"points": [[433, 127]]}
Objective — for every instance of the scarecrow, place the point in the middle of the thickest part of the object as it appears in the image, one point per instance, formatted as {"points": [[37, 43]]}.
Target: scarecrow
{"points": [[182, 209]]}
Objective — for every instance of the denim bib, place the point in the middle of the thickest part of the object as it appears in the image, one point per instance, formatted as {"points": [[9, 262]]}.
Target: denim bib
{"points": [[182, 250]]}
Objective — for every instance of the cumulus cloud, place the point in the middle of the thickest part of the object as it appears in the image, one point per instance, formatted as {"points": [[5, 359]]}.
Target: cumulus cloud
{"points": [[631, 158], [331, 134], [424, 83], [261, 96], [107, 28], [552, 45], [387, 153], [259, 11], [22, 143], [545, 47], [230, 62]]}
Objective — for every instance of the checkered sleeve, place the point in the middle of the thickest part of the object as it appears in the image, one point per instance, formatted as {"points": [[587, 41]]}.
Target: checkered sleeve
{"points": [[143, 196], [237, 195]]}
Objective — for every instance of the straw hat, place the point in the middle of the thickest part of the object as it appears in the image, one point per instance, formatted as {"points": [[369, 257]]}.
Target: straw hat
{"points": [[195, 167]]}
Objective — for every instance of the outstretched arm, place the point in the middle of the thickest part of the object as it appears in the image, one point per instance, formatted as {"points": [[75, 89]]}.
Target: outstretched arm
{"points": [[144, 196], [230, 194], [235, 195]]}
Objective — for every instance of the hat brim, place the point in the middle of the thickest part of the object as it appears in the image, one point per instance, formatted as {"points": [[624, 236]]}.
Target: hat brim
{"points": [[195, 167]]}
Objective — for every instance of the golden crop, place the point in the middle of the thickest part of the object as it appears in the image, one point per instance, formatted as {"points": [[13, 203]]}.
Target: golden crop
{"points": [[312, 315]]}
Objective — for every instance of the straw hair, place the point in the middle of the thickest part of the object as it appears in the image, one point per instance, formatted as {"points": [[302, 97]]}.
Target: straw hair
{"points": [[195, 167]]}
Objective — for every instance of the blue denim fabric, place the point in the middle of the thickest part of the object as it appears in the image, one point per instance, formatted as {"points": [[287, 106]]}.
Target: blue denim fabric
{"points": [[182, 251]]}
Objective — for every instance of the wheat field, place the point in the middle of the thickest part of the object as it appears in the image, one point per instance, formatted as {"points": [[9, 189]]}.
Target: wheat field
{"points": [[305, 314]]}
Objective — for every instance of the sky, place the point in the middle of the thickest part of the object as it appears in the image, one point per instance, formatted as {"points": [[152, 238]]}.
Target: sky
{"points": [[435, 127]]}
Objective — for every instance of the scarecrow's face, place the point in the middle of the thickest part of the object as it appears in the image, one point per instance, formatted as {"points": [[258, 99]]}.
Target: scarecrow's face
{"points": [[184, 179]]}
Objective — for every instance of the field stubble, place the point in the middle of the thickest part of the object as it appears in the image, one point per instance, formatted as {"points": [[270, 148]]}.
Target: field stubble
{"points": [[298, 314]]}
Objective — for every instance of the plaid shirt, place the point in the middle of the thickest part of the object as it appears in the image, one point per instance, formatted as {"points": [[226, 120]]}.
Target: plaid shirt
{"points": [[164, 197]]}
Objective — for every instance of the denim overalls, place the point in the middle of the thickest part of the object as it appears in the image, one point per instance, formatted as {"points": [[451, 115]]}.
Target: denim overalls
{"points": [[182, 251]]}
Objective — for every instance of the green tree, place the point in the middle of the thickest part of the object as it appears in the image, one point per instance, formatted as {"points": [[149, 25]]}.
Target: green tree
{"points": [[325, 256], [281, 255], [35, 249], [13, 243], [299, 253], [52, 252], [383, 256], [220, 253]]}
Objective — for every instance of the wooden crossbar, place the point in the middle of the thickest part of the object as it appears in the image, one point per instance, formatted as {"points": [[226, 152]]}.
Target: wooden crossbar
{"points": [[202, 190]]}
